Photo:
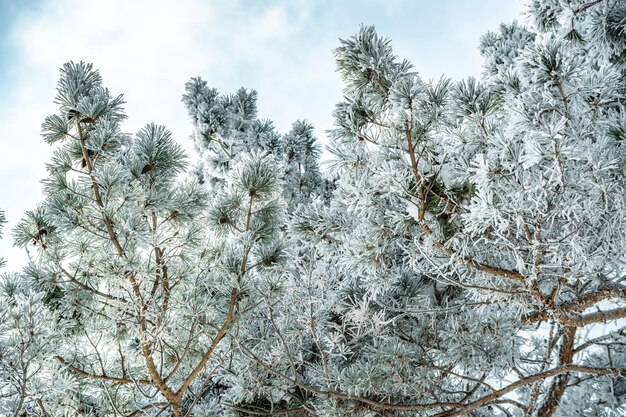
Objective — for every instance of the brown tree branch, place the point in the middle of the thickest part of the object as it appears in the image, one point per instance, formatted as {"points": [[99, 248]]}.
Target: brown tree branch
{"points": [[465, 409], [108, 378], [221, 332], [566, 313], [557, 388]]}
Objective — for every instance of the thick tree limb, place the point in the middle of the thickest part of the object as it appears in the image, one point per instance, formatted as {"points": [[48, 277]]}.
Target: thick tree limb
{"points": [[465, 409], [566, 313], [557, 389]]}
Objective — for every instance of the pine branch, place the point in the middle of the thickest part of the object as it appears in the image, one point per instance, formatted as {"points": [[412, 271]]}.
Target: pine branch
{"points": [[117, 380], [542, 376]]}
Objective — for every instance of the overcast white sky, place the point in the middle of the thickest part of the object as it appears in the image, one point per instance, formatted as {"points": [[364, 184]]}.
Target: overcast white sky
{"points": [[148, 49]]}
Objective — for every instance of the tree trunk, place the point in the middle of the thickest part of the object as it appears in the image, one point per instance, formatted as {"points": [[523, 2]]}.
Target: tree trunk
{"points": [[553, 398]]}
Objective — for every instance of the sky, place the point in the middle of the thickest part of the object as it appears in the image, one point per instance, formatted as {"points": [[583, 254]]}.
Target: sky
{"points": [[148, 49]]}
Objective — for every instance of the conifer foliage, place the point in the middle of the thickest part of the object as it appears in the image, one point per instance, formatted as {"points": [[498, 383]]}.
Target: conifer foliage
{"points": [[129, 259], [466, 259]]}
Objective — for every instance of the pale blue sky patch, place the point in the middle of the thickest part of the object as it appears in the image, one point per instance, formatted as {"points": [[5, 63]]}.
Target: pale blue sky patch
{"points": [[10, 11]]}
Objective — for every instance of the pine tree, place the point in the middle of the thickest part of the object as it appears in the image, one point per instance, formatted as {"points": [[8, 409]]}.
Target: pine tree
{"points": [[146, 272], [303, 180], [475, 238], [226, 126], [468, 258], [243, 384], [380, 335]]}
